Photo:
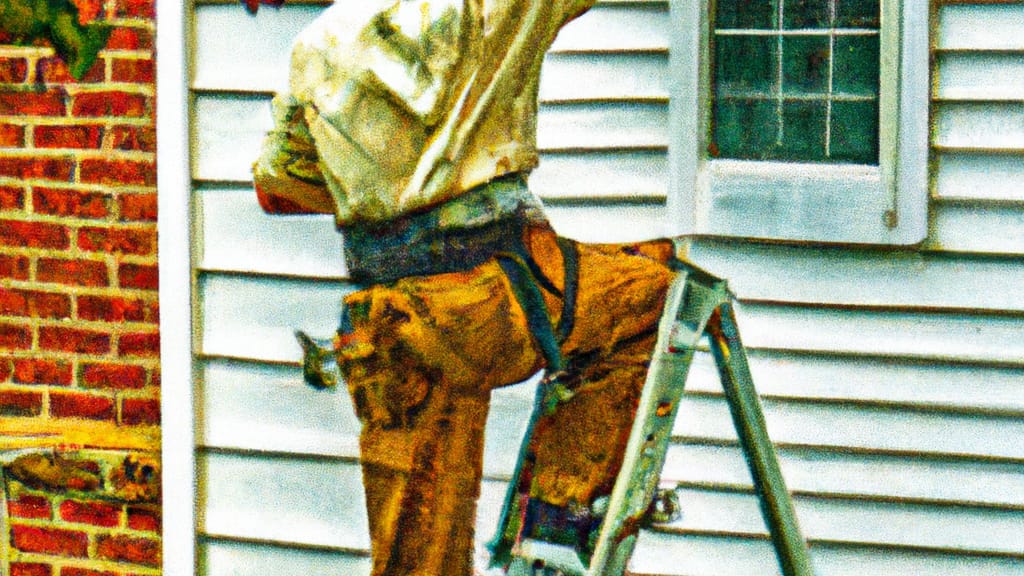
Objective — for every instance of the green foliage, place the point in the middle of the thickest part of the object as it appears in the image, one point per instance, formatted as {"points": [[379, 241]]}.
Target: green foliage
{"points": [[27, 21]]}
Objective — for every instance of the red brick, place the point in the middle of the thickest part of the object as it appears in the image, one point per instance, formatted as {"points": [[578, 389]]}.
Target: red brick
{"points": [[113, 103], [37, 507], [138, 207], [144, 518], [33, 234], [54, 70], [20, 403], [81, 136], [63, 202], [138, 276], [111, 309], [50, 541], [142, 344], [133, 138], [125, 38], [12, 136], [13, 70], [37, 168], [88, 10], [14, 337], [141, 241], [14, 267], [32, 102], [94, 513], [113, 376], [140, 411], [30, 569], [66, 339], [121, 548], [12, 198], [72, 272], [135, 9], [34, 304], [114, 172], [134, 70], [78, 405], [73, 571], [42, 371]]}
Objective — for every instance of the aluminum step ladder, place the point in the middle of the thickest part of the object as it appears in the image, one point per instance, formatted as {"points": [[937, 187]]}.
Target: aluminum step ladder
{"points": [[698, 305]]}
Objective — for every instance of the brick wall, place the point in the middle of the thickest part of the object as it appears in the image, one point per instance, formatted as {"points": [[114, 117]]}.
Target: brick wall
{"points": [[79, 336], [78, 271], [109, 529]]}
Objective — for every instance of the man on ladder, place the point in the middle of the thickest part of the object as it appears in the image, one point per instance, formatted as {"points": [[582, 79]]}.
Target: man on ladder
{"points": [[413, 122]]}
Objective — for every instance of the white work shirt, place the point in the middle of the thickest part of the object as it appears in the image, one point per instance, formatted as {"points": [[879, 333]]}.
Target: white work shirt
{"points": [[399, 105]]}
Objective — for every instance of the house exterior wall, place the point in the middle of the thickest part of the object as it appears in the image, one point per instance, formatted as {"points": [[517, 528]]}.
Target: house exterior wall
{"points": [[79, 314], [892, 378]]}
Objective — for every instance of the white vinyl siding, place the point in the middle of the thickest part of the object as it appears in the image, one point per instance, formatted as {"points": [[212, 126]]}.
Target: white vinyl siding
{"points": [[893, 380]]}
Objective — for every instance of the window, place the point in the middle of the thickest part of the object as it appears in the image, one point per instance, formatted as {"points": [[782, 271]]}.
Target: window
{"points": [[800, 119]]}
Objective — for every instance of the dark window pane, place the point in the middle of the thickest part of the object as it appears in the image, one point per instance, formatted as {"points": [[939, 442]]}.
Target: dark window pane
{"points": [[803, 131], [857, 14], [855, 132], [806, 14], [856, 65], [805, 65], [757, 14], [745, 63], [745, 128]]}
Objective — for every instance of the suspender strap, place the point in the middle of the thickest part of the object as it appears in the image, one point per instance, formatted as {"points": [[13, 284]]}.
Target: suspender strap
{"points": [[571, 264], [527, 293]]}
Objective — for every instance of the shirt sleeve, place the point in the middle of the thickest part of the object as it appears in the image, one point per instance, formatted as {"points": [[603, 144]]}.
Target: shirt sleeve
{"points": [[287, 174]]}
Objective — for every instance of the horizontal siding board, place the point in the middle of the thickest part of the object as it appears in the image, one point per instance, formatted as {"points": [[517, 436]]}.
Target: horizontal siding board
{"points": [[710, 555], [255, 318], [593, 126], [845, 276], [229, 130], [992, 228], [304, 501], [886, 478], [625, 26], [981, 27], [239, 236], [979, 126], [235, 51], [619, 76], [863, 428], [924, 526], [881, 380], [246, 406], [925, 335], [224, 558], [973, 176], [979, 76], [254, 56]]}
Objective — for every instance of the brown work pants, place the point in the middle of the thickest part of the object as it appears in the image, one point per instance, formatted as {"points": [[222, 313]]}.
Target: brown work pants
{"points": [[423, 357]]}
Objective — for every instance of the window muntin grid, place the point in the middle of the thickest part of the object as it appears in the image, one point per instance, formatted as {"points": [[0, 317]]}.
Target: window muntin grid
{"points": [[796, 80]]}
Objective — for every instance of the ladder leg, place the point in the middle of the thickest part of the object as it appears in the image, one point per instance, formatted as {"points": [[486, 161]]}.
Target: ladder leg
{"points": [[776, 504]]}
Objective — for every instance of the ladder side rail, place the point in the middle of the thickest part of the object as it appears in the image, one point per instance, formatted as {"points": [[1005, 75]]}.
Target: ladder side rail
{"points": [[748, 418]]}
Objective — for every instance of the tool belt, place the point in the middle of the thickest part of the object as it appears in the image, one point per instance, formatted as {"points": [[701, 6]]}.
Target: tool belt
{"points": [[455, 236]]}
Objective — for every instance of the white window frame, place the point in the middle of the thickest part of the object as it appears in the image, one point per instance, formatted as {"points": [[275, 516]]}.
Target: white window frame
{"points": [[815, 202]]}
